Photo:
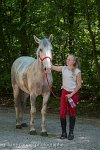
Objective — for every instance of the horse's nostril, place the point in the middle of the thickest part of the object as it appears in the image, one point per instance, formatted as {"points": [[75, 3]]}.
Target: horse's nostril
{"points": [[45, 68]]}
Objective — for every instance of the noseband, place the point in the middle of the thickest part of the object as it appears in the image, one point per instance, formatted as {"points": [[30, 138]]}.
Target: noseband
{"points": [[42, 59]]}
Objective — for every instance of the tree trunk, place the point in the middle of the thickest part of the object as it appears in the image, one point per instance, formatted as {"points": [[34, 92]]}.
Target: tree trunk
{"points": [[71, 13], [23, 34], [3, 44], [98, 10]]}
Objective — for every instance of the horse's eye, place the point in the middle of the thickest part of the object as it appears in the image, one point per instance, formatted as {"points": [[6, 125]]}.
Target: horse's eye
{"points": [[41, 50]]}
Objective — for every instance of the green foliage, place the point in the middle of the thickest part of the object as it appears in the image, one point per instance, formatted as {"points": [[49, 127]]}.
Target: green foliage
{"points": [[66, 20]]}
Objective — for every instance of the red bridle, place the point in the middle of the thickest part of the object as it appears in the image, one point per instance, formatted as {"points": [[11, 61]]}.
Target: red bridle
{"points": [[42, 59]]}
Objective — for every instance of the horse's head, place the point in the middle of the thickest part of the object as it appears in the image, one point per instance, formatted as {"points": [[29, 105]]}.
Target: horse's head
{"points": [[44, 53]]}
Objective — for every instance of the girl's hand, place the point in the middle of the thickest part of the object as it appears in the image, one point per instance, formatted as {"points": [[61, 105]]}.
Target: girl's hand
{"points": [[68, 96]]}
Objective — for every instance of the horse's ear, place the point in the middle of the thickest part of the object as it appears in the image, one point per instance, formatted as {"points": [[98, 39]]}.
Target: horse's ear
{"points": [[37, 40], [51, 38]]}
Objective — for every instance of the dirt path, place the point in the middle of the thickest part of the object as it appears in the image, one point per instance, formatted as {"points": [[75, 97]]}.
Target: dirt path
{"points": [[87, 134]]}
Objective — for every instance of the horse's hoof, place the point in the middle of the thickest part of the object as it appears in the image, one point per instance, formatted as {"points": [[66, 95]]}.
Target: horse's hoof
{"points": [[33, 132], [44, 134], [18, 127], [24, 125]]}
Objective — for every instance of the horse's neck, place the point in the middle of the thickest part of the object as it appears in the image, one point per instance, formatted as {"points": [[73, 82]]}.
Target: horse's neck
{"points": [[37, 66]]}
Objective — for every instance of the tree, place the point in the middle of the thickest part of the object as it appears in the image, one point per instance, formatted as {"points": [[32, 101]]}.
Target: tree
{"points": [[92, 36], [23, 24]]}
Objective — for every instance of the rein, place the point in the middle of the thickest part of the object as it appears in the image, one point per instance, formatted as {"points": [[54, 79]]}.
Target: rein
{"points": [[50, 87], [42, 59]]}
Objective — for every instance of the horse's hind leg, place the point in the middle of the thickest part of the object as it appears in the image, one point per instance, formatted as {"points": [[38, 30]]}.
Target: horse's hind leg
{"points": [[19, 105], [24, 97]]}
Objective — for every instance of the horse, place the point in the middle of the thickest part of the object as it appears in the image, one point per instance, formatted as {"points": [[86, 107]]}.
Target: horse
{"points": [[28, 80]]}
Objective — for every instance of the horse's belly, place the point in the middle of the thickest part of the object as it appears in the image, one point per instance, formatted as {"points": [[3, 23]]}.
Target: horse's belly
{"points": [[22, 83]]}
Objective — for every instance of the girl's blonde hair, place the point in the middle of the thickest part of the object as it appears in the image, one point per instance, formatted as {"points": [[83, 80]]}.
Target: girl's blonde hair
{"points": [[77, 62]]}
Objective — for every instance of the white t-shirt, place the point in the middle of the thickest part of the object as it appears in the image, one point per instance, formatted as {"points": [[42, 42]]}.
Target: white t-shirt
{"points": [[69, 79]]}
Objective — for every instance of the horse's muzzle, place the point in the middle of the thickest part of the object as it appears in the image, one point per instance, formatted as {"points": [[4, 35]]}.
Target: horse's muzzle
{"points": [[47, 70]]}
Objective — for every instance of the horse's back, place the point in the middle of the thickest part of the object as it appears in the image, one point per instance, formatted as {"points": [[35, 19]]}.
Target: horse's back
{"points": [[20, 66], [22, 63], [26, 60]]}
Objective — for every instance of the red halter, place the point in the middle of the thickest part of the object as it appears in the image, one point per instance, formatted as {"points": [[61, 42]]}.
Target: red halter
{"points": [[42, 59]]}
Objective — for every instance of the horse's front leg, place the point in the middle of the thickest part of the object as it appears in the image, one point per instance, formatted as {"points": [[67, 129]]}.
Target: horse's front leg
{"points": [[43, 112], [32, 113]]}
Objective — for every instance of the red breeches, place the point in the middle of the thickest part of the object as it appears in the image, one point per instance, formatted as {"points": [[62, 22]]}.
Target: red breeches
{"points": [[65, 106]]}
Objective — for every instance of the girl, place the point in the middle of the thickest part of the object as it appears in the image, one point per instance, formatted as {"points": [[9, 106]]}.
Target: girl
{"points": [[71, 83]]}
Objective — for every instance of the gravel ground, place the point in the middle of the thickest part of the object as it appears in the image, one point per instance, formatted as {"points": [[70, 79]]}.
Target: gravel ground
{"points": [[87, 134]]}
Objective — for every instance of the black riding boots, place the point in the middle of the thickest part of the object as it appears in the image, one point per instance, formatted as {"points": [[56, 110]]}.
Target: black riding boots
{"points": [[71, 128], [63, 126]]}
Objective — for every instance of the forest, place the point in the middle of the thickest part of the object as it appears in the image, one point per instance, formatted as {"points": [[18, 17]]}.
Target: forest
{"points": [[75, 26]]}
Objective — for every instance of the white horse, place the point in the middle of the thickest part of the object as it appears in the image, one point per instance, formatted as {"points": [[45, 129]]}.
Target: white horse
{"points": [[28, 79]]}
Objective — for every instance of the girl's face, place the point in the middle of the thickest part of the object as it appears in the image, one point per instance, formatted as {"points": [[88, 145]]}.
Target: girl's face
{"points": [[70, 60]]}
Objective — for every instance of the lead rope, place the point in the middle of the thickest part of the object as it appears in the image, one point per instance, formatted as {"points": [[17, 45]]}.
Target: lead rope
{"points": [[50, 87]]}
